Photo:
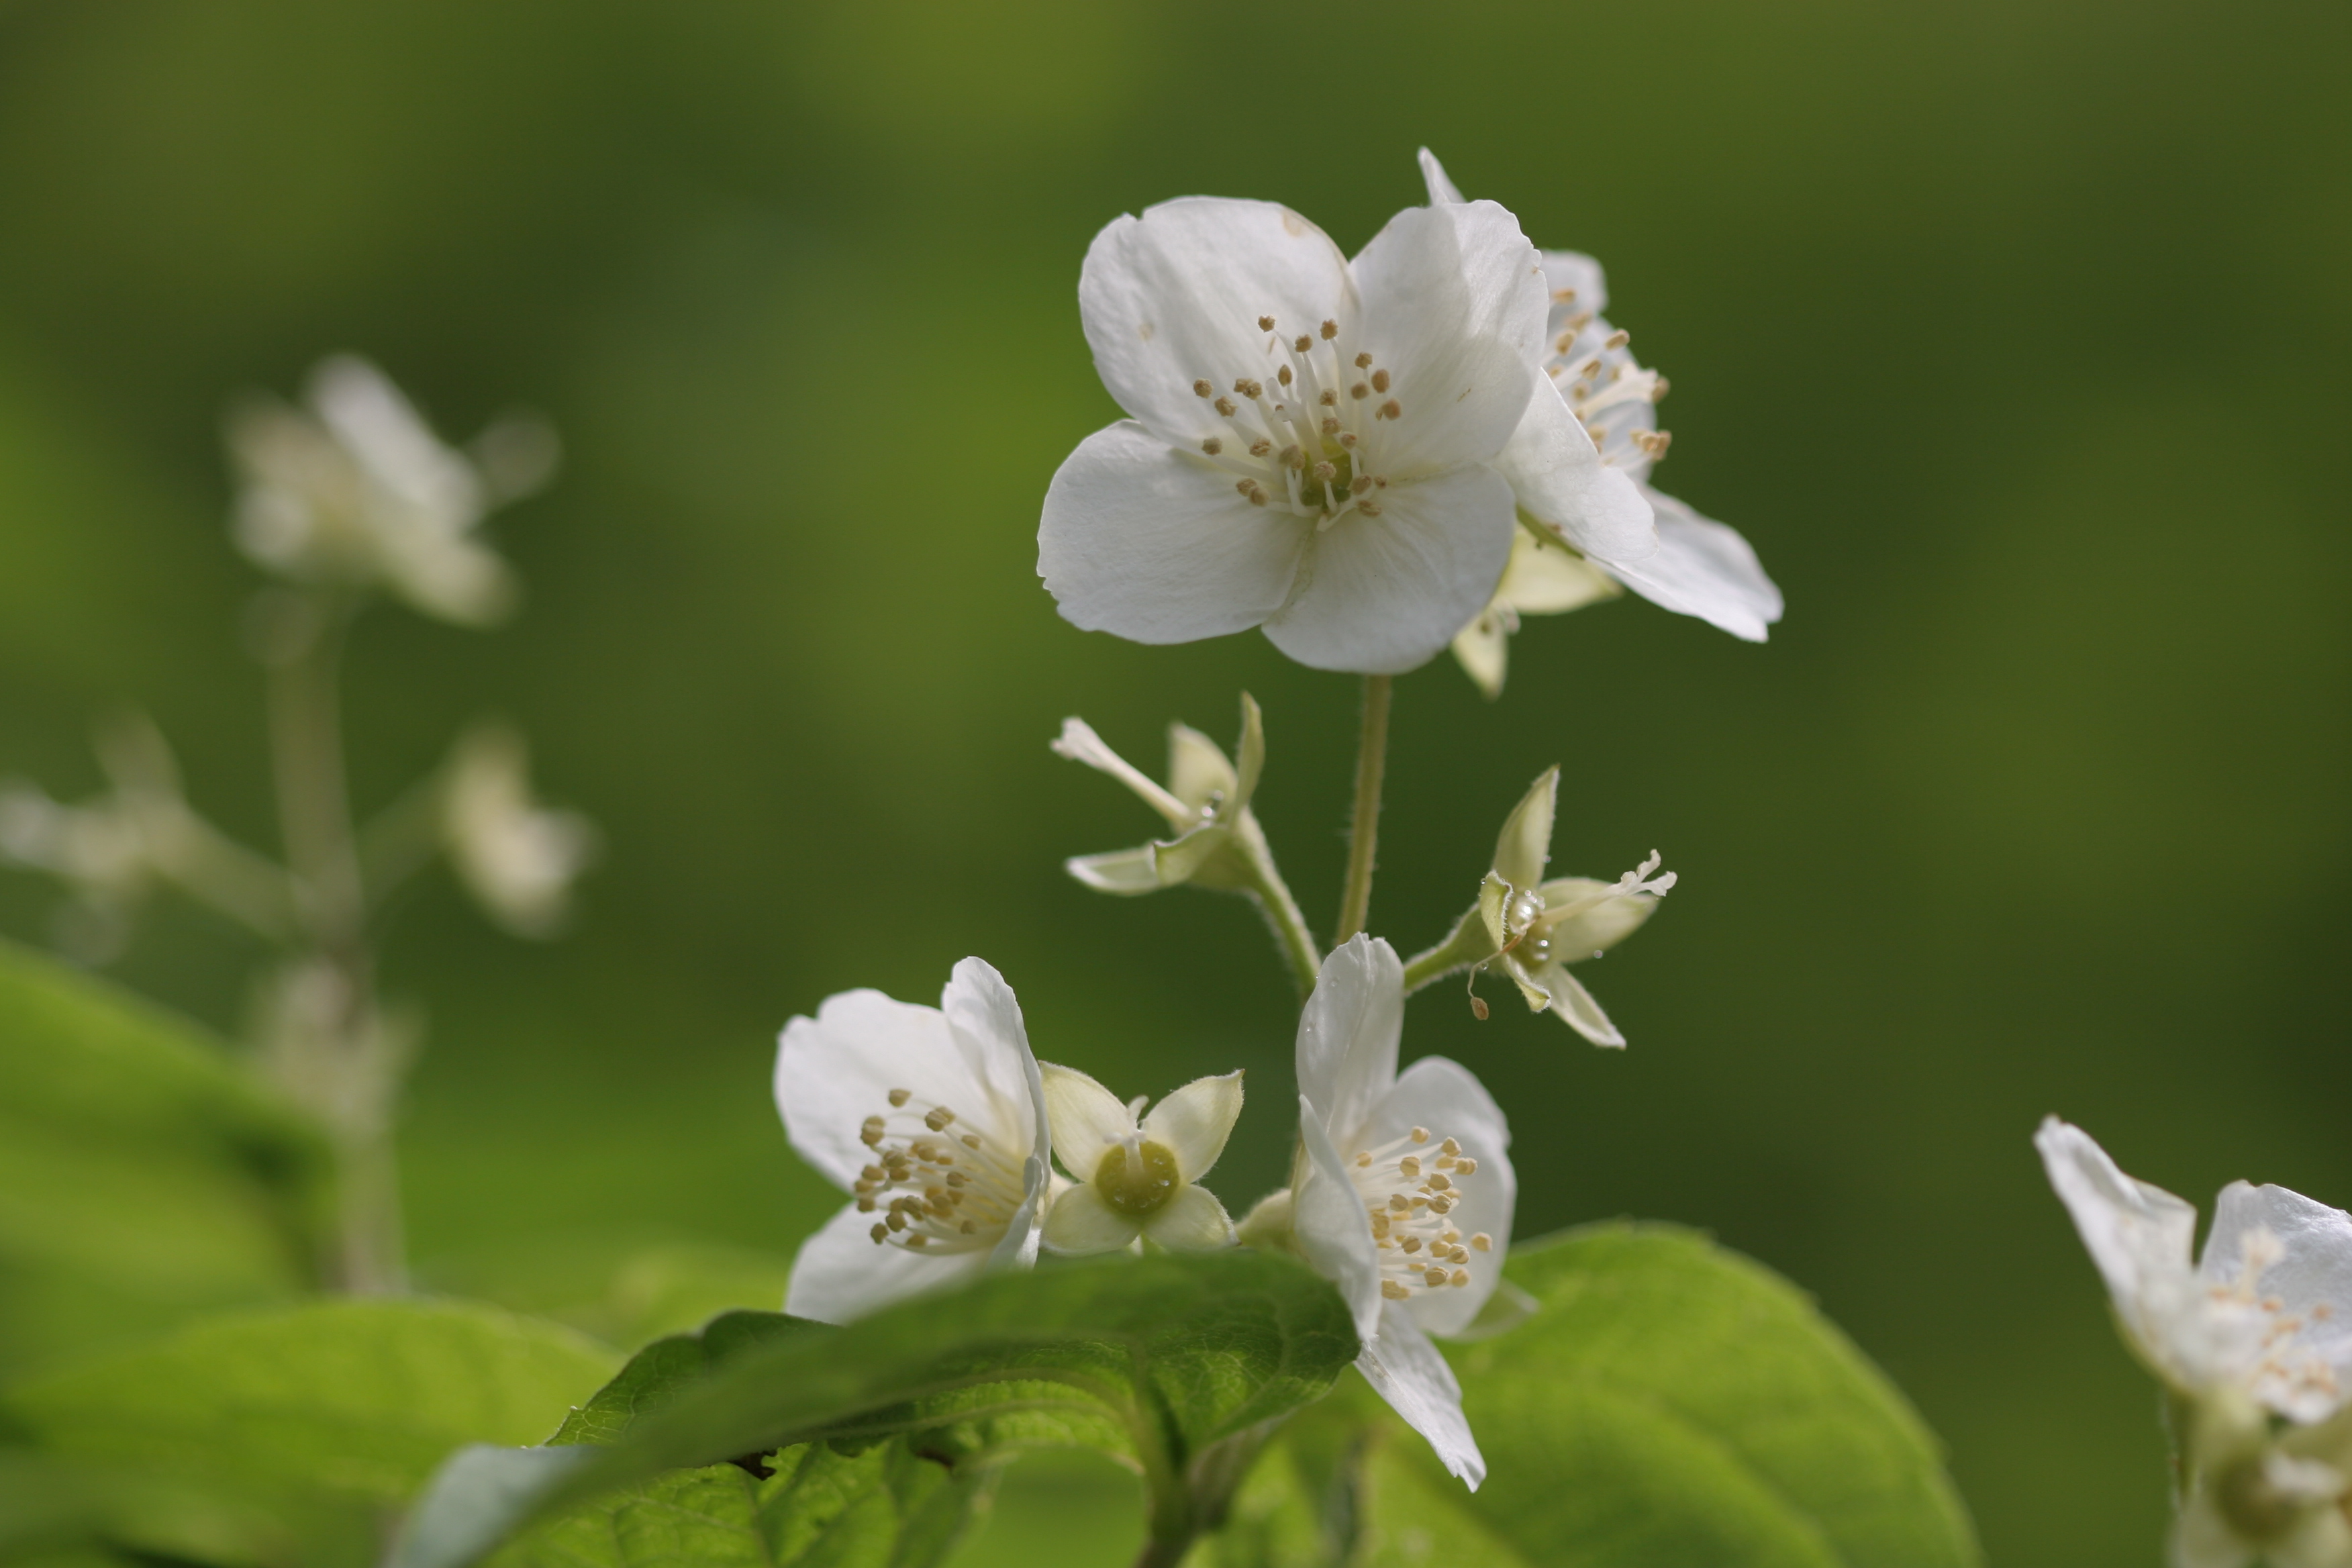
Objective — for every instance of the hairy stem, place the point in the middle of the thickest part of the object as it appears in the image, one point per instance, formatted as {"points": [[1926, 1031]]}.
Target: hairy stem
{"points": [[1299, 953], [1363, 832]]}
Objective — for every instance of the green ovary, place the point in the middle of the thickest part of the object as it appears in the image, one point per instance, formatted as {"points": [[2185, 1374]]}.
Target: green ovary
{"points": [[1137, 1181]]}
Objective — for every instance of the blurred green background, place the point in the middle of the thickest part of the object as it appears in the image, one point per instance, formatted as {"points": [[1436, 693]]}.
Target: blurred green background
{"points": [[2012, 335]]}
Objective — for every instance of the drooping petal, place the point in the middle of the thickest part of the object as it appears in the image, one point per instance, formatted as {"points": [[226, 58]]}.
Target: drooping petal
{"points": [[2138, 1235], [1192, 1221], [1330, 1222], [2313, 1269], [1545, 579], [1484, 651], [1447, 1099], [1086, 1118], [1126, 872], [1348, 1033], [842, 1275], [1598, 916], [1454, 310], [1380, 596], [1153, 544], [1558, 480], [834, 1070], [984, 1021], [1198, 773], [1174, 296], [1525, 843], [1703, 568], [1576, 1006], [1079, 743], [1081, 1223], [1194, 1122], [1405, 1369], [1433, 172]]}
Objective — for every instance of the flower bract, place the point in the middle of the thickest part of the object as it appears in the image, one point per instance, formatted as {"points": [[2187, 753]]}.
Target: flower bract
{"points": [[1315, 444], [1698, 567], [1138, 1177], [933, 1118]]}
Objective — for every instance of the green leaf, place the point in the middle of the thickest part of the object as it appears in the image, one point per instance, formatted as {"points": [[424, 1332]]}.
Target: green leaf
{"points": [[144, 1178], [319, 1414], [881, 1504], [1670, 1403], [1152, 1360]]}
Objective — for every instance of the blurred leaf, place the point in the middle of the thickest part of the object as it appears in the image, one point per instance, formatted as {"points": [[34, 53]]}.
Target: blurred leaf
{"points": [[1151, 1360], [883, 1504], [143, 1177], [667, 1367], [318, 1415], [1670, 1404]]}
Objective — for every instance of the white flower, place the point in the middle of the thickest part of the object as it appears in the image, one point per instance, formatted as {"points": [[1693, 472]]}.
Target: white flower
{"points": [[934, 1120], [112, 850], [517, 857], [358, 490], [1402, 1191], [1700, 567], [1316, 445], [2254, 1343], [1138, 1179]]}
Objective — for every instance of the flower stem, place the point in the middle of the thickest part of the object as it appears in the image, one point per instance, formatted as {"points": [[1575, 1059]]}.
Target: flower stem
{"points": [[1364, 834], [1299, 952]]}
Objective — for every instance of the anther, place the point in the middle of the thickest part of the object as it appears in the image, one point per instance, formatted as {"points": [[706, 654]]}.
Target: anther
{"points": [[919, 1241], [1563, 296], [1399, 1204], [1330, 425], [1265, 324], [1438, 1182], [970, 1227], [1201, 389], [1420, 1135], [1361, 483], [972, 1139], [1302, 343], [1363, 362], [1331, 398], [1249, 388], [1360, 391], [1466, 1166], [1283, 375], [1326, 472], [1330, 330], [1292, 458], [1389, 410], [1257, 495], [1560, 345], [1213, 445], [1459, 1278], [1259, 448], [865, 1203], [938, 1118], [1432, 1277], [1379, 380], [1451, 1146], [880, 1233], [1658, 390], [1226, 406], [897, 1221], [1369, 508], [1617, 339], [871, 1132], [1348, 439], [898, 1097], [1410, 1243], [1410, 1166], [1390, 1288]]}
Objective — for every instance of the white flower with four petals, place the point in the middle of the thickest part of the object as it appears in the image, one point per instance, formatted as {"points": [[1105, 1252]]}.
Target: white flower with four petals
{"points": [[1138, 1178]]}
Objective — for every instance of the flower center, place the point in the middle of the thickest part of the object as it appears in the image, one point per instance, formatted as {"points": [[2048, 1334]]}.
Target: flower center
{"points": [[1305, 441], [1610, 394], [1137, 1179], [1529, 921], [939, 1185], [1409, 1189]]}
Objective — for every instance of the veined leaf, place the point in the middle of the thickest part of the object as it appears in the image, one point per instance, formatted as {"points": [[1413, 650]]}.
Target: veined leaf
{"points": [[1152, 1360], [144, 1179]]}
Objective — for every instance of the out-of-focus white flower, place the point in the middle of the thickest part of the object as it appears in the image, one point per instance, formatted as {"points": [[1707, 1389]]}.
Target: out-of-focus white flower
{"points": [[1138, 1178], [1317, 446], [1401, 1192], [1700, 567], [2253, 1341], [111, 850], [356, 489], [517, 857], [933, 1118]]}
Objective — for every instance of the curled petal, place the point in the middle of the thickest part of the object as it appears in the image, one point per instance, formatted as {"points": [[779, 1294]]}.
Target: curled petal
{"points": [[1154, 545], [1385, 595], [1525, 843], [1194, 1122]]}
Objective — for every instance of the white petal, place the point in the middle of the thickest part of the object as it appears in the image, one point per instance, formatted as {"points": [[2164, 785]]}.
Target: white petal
{"points": [[1192, 1221], [984, 1020], [1380, 596], [1081, 1223], [1560, 480], [1432, 174], [1453, 311], [1174, 296], [834, 1070], [842, 1274], [2138, 1235], [2315, 1269], [1249, 759], [1576, 274], [1126, 872], [1405, 1369], [1607, 917], [1703, 568], [1525, 843], [1348, 1033], [1545, 579], [1484, 649], [1194, 1122], [1087, 1118], [1576, 1006], [1197, 769], [1330, 1222], [1154, 545], [1447, 1099], [1079, 743]]}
